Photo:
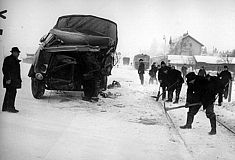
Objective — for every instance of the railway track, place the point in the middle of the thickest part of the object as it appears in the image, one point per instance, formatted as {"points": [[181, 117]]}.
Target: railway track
{"points": [[162, 104], [230, 129], [219, 121], [176, 130]]}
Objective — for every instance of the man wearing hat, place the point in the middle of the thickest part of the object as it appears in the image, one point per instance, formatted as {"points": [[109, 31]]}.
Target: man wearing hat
{"points": [[11, 80], [201, 91], [225, 77]]}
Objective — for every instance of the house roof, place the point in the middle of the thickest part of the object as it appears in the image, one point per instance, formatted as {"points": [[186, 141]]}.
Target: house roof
{"points": [[191, 60], [207, 59], [181, 59], [192, 38], [214, 59]]}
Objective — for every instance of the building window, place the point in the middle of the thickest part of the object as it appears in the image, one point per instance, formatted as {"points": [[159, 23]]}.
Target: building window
{"points": [[190, 44]]}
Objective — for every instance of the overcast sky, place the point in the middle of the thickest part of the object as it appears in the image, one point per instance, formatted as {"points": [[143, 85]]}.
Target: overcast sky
{"points": [[140, 22]]}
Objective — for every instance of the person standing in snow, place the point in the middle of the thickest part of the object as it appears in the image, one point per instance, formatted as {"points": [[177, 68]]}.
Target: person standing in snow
{"points": [[141, 70], [225, 78], [175, 84], [163, 78], [11, 80], [152, 73], [202, 72], [91, 76], [198, 87], [184, 71]]}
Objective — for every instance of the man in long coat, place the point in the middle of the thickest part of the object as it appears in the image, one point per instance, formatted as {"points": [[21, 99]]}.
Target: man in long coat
{"points": [[225, 78], [163, 78], [141, 70], [11, 80]]}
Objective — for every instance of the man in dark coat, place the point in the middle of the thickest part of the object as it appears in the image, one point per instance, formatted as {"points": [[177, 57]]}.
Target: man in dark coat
{"points": [[141, 71], [198, 87], [91, 76], [202, 72], [11, 80], [163, 78], [175, 81], [225, 77]]}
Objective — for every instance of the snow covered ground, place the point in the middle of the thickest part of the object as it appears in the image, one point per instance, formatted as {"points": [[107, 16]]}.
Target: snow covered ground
{"points": [[130, 125]]}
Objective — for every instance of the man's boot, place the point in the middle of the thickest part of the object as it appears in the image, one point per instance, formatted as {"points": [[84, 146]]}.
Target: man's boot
{"points": [[176, 101], [213, 126], [177, 96], [169, 100], [163, 95], [189, 122], [170, 96]]}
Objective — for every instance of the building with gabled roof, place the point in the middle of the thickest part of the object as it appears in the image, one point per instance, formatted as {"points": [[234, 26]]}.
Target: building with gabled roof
{"points": [[185, 45]]}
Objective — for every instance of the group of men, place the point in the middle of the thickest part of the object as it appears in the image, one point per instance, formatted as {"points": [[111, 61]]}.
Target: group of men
{"points": [[203, 89], [170, 79]]}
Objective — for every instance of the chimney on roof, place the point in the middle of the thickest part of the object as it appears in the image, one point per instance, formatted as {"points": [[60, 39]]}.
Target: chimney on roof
{"points": [[185, 34]]}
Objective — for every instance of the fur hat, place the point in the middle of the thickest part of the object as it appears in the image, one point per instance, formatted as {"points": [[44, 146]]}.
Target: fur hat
{"points": [[190, 76]]}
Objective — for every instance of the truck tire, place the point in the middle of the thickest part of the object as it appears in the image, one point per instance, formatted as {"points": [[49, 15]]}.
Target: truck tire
{"points": [[38, 88]]}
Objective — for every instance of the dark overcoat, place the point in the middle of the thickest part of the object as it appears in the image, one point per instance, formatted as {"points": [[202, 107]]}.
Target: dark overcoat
{"points": [[141, 68], [163, 75], [174, 77], [203, 90], [225, 76], [11, 71]]}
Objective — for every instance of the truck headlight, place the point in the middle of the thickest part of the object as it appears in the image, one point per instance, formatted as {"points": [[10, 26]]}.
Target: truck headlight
{"points": [[43, 68], [39, 76]]}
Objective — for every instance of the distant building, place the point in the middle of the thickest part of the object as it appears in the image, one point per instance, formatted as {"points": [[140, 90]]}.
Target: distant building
{"points": [[215, 63], [157, 59], [185, 45], [126, 60], [146, 60], [211, 63]]}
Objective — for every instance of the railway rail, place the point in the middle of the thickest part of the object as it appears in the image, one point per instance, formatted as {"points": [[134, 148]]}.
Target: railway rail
{"points": [[230, 129], [219, 121], [162, 104]]}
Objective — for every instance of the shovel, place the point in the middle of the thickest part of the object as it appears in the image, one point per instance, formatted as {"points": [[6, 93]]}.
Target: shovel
{"points": [[190, 105]]}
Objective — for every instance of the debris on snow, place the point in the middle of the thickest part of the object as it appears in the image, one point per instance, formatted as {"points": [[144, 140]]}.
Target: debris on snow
{"points": [[115, 84]]}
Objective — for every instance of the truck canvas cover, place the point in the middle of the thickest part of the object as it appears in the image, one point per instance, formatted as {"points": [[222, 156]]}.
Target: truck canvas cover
{"points": [[86, 29]]}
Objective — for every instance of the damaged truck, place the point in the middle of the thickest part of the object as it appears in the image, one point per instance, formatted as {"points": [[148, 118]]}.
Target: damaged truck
{"points": [[76, 55]]}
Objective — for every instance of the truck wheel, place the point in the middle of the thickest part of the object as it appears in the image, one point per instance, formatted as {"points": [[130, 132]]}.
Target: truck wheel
{"points": [[38, 88]]}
